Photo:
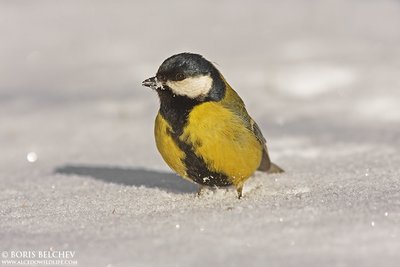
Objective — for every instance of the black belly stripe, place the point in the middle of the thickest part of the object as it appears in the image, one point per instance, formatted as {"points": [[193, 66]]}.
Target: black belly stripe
{"points": [[175, 110], [197, 169]]}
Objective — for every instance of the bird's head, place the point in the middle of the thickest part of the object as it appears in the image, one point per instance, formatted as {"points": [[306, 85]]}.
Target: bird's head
{"points": [[188, 75]]}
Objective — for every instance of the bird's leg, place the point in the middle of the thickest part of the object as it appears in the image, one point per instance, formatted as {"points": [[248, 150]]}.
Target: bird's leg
{"points": [[239, 189], [200, 191]]}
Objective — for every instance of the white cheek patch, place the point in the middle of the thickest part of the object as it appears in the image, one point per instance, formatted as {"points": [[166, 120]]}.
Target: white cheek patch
{"points": [[191, 87]]}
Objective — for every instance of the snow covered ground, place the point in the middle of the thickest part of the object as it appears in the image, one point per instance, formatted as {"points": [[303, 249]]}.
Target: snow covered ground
{"points": [[79, 170]]}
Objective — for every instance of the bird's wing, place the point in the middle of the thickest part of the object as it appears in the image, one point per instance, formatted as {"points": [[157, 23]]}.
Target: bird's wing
{"points": [[233, 102], [257, 131], [266, 165]]}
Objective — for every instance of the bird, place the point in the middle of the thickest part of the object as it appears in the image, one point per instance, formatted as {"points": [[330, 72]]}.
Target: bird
{"points": [[203, 130]]}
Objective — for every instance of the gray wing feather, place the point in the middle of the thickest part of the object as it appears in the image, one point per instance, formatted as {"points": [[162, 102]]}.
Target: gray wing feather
{"points": [[239, 109]]}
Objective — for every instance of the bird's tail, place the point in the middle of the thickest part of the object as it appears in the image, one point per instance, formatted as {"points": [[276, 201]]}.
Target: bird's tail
{"points": [[267, 166], [273, 168]]}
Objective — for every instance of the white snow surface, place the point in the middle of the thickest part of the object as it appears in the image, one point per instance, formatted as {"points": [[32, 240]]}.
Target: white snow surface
{"points": [[79, 169]]}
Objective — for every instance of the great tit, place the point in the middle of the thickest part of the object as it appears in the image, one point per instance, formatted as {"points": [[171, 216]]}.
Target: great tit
{"points": [[202, 128]]}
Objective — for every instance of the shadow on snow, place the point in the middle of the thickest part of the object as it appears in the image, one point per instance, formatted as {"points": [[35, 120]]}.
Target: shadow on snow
{"points": [[131, 177]]}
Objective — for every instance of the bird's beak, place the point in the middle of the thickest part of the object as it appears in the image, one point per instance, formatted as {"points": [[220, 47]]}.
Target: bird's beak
{"points": [[151, 82]]}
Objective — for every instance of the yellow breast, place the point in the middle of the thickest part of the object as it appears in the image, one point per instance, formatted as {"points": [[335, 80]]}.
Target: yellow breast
{"points": [[168, 149], [220, 137]]}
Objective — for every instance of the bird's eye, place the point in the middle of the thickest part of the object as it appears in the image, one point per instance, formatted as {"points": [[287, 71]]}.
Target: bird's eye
{"points": [[180, 76], [161, 77]]}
